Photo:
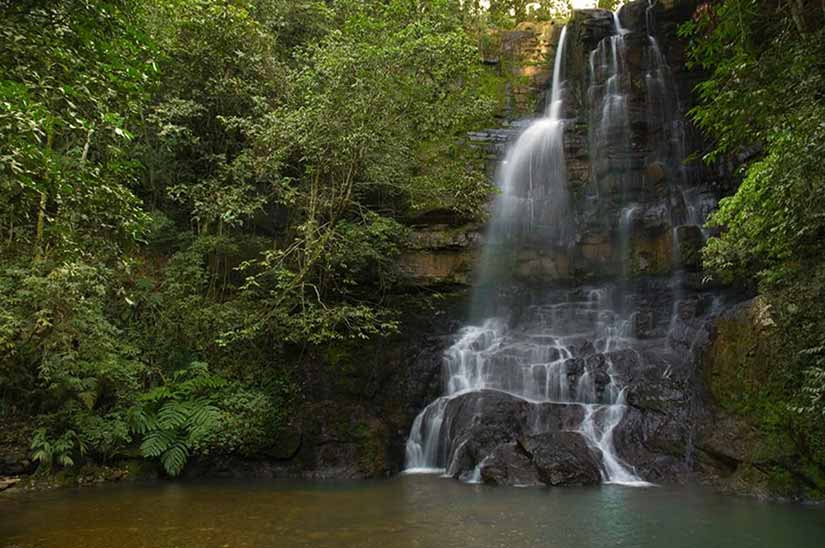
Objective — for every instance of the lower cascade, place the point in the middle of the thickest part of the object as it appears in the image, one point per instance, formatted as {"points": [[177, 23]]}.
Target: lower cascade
{"points": [[565, 384], [559, 366]]}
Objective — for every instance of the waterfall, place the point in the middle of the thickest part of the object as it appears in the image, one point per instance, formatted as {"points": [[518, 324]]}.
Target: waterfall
{"points": [[532, 362], [534, 205], [575, 349], [664, 118], [538, 361]]}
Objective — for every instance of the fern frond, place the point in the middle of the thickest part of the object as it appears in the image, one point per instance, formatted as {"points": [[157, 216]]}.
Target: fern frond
{"points": [[174, 459], [159, 393], [39, 438], [157, 442], [43, 456], [81, 446], [139, 420], [203, 384], [205, 418], [203, 414], [173, 415], [63, 445]]}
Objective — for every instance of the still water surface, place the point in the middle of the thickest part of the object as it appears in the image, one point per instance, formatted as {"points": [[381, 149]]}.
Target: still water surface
{"points": [[408, 511]]}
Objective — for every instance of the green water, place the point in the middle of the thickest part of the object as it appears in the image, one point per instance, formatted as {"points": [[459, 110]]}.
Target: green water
{"points": [[409, 511]]}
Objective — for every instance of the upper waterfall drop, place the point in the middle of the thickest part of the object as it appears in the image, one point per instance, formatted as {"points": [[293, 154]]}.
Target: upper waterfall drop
{"points": [[534, 204]]}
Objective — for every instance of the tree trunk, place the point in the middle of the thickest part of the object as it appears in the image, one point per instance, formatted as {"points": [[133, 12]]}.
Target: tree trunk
{"points": [[41, 208]]}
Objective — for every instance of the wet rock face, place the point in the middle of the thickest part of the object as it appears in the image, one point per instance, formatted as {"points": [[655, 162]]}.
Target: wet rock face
{"points": [[562, 458], [511, 441], [628, 139]]}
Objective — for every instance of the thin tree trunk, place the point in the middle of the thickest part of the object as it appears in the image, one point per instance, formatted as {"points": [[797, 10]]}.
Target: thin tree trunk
{"points": [[41, 208], [797, 9], [88, 142], [41, 223]]}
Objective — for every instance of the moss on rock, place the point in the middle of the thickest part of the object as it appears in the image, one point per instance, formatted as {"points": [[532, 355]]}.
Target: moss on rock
{"points": [[749, 371]]}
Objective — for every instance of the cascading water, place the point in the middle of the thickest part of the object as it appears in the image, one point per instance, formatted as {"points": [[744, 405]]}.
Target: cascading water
{"points": [[609, 121], [692, 206], [544, 371], [559, 352], [539, 358], [534, 205]]}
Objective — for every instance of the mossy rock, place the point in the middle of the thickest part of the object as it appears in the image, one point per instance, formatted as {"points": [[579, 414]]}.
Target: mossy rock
{"points": [[746, 371]]}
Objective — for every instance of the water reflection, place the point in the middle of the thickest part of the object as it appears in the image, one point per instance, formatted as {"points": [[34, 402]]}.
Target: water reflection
{"points": [[409, 511]]}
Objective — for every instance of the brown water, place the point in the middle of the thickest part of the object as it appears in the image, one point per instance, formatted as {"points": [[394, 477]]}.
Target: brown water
{"points": [[409, 511]]}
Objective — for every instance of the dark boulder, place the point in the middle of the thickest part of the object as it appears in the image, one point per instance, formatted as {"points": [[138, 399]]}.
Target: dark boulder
{"points": [[551, 458], [562, 458], [499, 433], [509, 464]]}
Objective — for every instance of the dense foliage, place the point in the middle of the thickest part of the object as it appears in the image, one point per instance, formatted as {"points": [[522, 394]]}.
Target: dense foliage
{"points": [[765, 94], [764, 102], [194, 191]]}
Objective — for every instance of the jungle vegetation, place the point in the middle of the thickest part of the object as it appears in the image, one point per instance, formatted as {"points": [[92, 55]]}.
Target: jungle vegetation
{"points": [[193, 192], [763, 103]]}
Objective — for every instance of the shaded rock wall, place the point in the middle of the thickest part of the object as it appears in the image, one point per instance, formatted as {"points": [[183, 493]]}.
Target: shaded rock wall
{"points": [[737, 448], [441, 254], [522, 56], [358, 399]]}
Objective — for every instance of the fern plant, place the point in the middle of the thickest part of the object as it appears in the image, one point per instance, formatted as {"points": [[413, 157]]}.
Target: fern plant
{"points": [[172, 418], [48, 452]]}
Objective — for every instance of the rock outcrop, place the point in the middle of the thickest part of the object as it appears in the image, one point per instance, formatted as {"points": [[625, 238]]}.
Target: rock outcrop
{"points": [[493, 433], [441, 254]]}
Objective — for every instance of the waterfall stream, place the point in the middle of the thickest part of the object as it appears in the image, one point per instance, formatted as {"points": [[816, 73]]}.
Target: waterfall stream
{"points": [[574, 348], [534, 205]]}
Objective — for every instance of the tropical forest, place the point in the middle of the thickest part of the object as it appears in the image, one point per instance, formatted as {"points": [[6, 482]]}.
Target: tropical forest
{"points": [[412, 273]]}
